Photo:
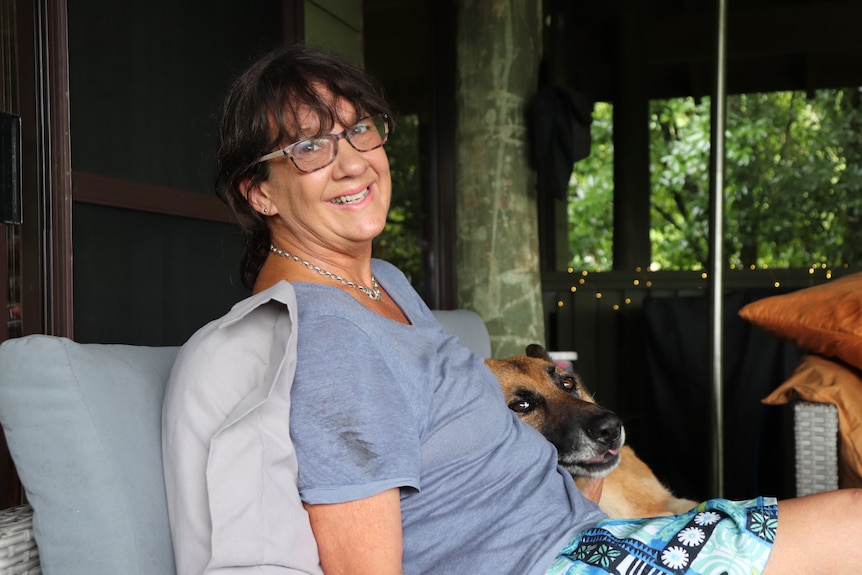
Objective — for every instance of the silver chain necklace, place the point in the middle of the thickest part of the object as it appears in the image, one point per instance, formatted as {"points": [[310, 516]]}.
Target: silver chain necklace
{"points": [[373, 292]]}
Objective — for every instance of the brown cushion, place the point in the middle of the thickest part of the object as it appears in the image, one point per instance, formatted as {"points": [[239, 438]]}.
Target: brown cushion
{"points": [[822, 380], [825, 319]]}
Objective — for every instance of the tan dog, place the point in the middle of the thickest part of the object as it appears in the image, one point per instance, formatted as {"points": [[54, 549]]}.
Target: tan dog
{"points": [[589, 438]]}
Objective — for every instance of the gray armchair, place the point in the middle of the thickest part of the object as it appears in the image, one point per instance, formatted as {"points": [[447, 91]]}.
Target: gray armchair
{"points": [[83, 424]]}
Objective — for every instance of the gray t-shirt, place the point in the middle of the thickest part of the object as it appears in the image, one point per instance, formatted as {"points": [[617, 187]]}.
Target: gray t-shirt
{"points": [[377, 404]]}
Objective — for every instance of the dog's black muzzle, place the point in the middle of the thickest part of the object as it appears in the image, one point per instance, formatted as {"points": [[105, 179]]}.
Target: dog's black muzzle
{"points": [[605, 429]]}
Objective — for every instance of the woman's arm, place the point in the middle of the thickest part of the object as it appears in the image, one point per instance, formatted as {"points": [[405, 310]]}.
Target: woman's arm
{"points": [[362, 536]]}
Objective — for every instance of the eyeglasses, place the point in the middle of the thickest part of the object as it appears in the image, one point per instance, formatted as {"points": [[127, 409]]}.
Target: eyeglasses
{"points": [[312, 154]]}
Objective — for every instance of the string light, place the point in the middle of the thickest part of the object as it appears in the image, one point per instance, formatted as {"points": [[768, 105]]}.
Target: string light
{"points": [[646, 283]]}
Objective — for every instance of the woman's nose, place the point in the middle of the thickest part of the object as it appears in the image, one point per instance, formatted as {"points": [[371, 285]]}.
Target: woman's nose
{"points": [[349, 159]]}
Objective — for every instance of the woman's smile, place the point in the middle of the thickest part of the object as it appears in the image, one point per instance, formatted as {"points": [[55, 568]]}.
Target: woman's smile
{"points": [[351, 198]]}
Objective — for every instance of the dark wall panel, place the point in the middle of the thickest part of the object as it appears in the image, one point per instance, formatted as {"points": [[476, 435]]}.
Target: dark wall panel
{"points": [[151, 279], [147, 80]]}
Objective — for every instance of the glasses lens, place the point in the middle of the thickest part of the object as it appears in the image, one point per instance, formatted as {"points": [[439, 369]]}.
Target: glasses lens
{"points": [[313, 153], [369, 133]]}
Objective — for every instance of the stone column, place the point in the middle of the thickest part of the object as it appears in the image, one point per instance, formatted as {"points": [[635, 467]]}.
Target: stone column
{"points": [[498, 275]]}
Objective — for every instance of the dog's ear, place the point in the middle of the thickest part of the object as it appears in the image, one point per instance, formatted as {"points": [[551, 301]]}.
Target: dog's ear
{"points": [[536, 350]]}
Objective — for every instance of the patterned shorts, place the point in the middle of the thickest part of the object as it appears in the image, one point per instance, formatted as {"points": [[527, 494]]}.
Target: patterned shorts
{"points": [[716, 537]]}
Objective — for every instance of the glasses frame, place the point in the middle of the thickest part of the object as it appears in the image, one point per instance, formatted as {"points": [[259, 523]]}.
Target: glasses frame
{"points": [[288, 151]]}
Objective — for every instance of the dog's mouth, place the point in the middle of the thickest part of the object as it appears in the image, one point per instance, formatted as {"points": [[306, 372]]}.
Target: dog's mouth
{"points": [[597, 466], [607, 457]]}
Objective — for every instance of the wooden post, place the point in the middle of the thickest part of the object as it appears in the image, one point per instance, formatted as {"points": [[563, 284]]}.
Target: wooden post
{"points": [[631, 145], [497, 252]]}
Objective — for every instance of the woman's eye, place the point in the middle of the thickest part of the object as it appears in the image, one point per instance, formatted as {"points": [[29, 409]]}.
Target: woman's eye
{"points": [[310, 146], [360, 129]]}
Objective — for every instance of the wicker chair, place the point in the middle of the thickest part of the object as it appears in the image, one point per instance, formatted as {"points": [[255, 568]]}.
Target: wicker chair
{"points": [[18, 552], [815, 427]]}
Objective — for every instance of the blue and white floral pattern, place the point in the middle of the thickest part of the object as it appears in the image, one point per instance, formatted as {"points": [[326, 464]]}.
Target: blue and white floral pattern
{"points": [[691, 536], [717, 537]]}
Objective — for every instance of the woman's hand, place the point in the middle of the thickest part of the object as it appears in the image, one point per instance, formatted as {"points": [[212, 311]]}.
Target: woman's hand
{"points": [[362, 536], [591, 488]]}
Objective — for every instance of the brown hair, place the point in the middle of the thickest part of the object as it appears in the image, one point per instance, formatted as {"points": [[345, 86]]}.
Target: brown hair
{"points": [[271, 91]]}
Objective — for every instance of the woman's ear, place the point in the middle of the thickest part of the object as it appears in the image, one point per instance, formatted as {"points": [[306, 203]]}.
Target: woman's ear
{"points": [[257, 198]]}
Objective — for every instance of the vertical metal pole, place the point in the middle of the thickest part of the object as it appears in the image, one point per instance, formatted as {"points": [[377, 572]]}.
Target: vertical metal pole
{"points": [[716, 272]]}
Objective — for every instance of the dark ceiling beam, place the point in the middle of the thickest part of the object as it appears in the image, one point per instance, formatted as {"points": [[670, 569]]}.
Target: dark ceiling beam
{"points": [[787, 46], [820, 28]]}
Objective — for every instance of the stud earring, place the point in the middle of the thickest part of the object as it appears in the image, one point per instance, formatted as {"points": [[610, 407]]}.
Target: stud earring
{"points": [[266, 210]]}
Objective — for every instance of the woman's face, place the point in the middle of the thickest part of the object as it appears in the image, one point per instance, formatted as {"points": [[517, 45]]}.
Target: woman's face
{"points": [[340, 207]]}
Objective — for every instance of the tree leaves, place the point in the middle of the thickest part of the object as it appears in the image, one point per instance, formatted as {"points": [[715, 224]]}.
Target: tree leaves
{"points": [[793, 178]]}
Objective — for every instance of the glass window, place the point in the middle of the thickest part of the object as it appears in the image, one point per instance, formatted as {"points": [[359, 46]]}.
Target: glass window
{"points": [[793, 175], [402, 240], [590, 208]]}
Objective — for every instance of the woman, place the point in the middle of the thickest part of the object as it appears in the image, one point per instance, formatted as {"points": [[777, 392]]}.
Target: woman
{"points": [[408, 459]]}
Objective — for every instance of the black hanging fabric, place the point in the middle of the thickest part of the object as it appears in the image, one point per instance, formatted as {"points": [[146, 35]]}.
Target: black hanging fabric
{"points": [[671, 431], [560, 122]]}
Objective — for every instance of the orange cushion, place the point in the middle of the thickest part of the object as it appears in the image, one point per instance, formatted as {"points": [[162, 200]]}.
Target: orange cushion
{"points": [[825, 319], [822, 380]]}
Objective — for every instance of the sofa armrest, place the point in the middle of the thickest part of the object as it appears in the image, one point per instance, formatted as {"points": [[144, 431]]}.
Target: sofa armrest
{"points": [[18, 551]]}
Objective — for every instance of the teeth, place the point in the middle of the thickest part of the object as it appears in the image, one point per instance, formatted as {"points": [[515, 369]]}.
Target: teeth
{"points": [[351, 199]]}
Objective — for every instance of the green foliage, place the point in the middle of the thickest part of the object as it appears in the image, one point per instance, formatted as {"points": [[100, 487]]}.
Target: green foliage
{"points": [[792, 183], [679, 179], [401, 240], [591, 193], [789, 191]]}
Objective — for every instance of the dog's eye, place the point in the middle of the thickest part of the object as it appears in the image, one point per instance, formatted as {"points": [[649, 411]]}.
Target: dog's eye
{"points": [[568, 383], [521, 406], [524, 401]]}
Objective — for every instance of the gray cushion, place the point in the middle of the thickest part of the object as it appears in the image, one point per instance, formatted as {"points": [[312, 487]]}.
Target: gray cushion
{"points": [[83, 426], [468, 327]]}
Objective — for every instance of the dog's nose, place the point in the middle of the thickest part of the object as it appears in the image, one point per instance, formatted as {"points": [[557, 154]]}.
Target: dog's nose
{"points": [[605, 428]]}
